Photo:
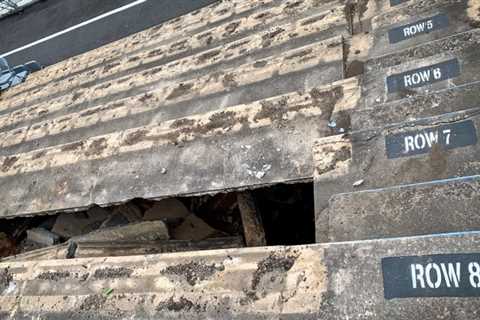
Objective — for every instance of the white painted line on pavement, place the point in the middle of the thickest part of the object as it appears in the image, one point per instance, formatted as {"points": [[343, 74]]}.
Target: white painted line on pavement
{"points": [[57, 34]]}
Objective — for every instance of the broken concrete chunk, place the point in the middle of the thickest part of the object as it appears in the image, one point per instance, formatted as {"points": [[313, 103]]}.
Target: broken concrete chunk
{"points": [[130, 211], [142, 231], [193, 228], [115, 220], [69, 225], [122, 215], [167, 209], [219, 168], [42, 236]]}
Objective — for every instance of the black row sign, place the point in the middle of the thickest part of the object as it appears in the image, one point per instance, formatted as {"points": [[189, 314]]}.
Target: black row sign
{"points": [[422, 76], [447, 136], [396, 2], [449, 275], [417, 28]]}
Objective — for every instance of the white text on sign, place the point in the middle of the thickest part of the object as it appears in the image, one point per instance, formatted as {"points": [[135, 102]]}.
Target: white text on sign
{"points": [[424, 76], [436, 275], [421, 27], [423, 140]]}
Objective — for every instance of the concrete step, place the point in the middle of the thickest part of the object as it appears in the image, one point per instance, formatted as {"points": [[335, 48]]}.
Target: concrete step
{"points": [[212, 34], [97, 112], [220, 103], [418, 22], [226, 46], [170, 32], [433, 66], [428, 149], [403, 278], [248, 145], [385, 30], [418, 209], [419, 106]]}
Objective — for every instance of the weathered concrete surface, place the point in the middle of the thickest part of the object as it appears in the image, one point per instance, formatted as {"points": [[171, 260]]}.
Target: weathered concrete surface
{"points": [[330, 281], [225, 98], [419, 106], [195, 22], [332, 158], [195, 40], [253, 31], [435, 161], [264, 142], [79, 116], [419, 209], [398, 69], [370, 162], [428, 20], [381, 30], [164, 65]]}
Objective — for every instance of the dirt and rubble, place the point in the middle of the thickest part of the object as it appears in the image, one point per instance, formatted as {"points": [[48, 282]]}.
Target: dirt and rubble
{"points": [[144, 226], [194, 272]]}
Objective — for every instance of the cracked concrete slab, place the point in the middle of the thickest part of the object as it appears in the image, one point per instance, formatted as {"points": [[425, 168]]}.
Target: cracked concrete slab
{"points": [[326, 281], [204, 153], [419, 22], [441, 64], [418, 209], [428, 149], [419, 106]]}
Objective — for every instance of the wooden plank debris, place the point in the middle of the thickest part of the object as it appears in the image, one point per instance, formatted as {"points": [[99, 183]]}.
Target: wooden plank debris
{"points": [[131, 248], [251, 220]]}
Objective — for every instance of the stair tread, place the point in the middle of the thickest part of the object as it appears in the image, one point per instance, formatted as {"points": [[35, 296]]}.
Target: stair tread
{"points": [[263, 142], [436, 65], [417, 107], [427, 149], [426, 21], [319, 280], [408, 210]]}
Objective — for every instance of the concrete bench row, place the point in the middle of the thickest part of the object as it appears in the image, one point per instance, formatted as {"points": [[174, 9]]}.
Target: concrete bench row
{"points": [[405, 278]]}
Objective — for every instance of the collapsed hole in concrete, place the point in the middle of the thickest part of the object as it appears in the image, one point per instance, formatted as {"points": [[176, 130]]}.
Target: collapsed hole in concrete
{"points": [[277, 215], [288, 213]]}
